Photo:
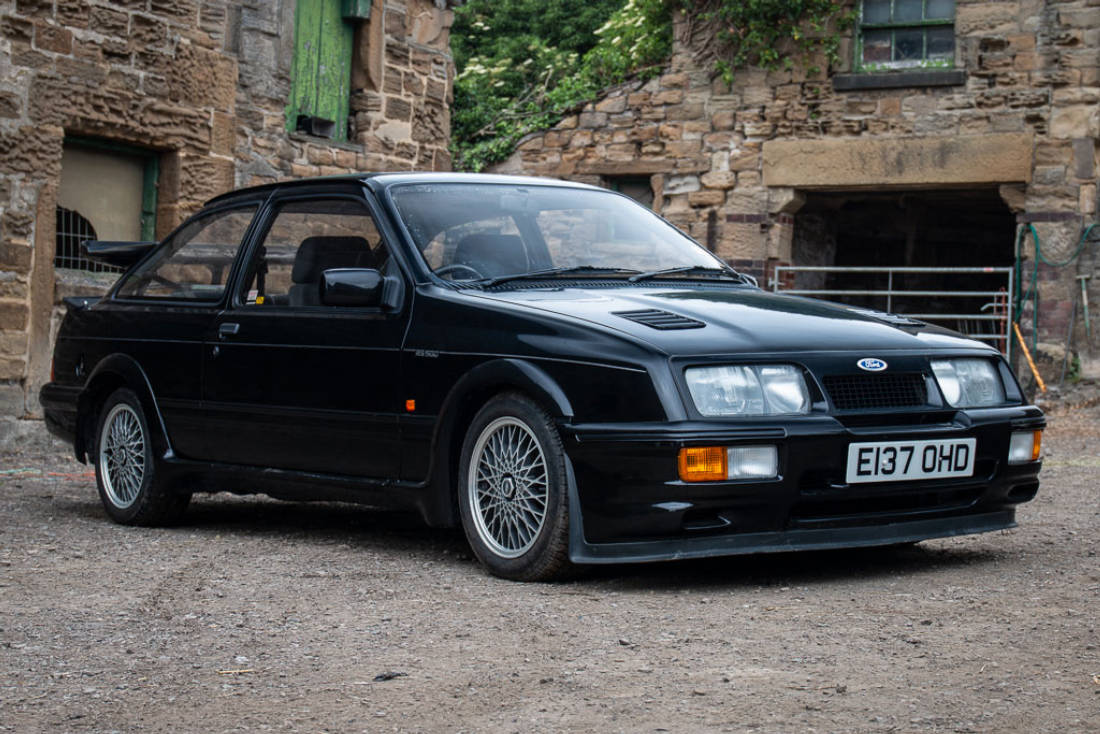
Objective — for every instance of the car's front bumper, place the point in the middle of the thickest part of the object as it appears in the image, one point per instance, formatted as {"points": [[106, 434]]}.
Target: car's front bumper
{"points": [[633, 506]]}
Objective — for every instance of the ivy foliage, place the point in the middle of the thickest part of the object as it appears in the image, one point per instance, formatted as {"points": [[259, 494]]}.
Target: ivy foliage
{"points": [[522, 64], [773, 34]]}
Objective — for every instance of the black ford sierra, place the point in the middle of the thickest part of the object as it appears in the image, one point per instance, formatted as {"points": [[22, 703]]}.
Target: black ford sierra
{"points": [[550, 365]]}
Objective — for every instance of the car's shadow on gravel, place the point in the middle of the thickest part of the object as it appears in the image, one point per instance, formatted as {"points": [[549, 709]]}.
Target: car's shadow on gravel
{"points": [[792, 569], [404, 533], [323, 521]]}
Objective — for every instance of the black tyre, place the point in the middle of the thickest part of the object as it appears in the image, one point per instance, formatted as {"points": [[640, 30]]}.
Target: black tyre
{"points": [[126, 467], [512, 491]]}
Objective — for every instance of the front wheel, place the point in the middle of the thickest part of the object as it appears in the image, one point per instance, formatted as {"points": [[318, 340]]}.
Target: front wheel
{"points": [[125, 466], [512, 491]]}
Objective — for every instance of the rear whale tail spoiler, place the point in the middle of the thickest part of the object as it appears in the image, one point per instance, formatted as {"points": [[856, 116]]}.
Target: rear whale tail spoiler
{"points": [[121, 254]]}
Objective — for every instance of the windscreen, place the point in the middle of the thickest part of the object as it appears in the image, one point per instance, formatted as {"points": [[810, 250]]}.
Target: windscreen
{"points": [[485, 231]]}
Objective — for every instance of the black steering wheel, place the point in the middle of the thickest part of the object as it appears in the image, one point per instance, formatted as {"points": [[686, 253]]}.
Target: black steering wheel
{"points": [[453, 267]]}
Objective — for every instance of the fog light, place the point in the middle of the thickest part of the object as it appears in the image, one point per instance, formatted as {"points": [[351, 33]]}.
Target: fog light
{"points": [[753, 462], [1025, 446]]}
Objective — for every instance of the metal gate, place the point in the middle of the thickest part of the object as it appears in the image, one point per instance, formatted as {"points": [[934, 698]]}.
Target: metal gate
{"points": [[979, 313]]}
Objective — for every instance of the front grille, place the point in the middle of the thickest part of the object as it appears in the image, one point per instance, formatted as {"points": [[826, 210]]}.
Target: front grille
{"points": [[868, 392]]}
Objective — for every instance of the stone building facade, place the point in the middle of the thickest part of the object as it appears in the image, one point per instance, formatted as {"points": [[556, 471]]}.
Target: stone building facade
{"points": [[194, 95], [998, 132]]}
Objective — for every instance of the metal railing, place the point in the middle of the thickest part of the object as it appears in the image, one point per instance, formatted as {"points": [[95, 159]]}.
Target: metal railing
{"points": [[996, 311]]}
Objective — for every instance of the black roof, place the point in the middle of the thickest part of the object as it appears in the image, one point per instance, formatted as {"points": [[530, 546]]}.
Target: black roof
{"points": [[380, 181]]}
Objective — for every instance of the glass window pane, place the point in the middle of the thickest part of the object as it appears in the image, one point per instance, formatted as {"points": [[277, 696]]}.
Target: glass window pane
{"points": [[305, 239], [941, 43], [195, 264], [938, 9], [876, 11], [908, 10], [876, 47], [908, 44]]}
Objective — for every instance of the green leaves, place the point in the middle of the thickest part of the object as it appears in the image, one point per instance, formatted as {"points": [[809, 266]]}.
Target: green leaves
{"points": [[774, 34], [523, 63]]}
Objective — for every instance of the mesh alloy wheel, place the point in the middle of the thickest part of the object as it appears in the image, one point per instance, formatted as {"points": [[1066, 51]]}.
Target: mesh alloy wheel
{"points": [[122, 456], [508, 487]]}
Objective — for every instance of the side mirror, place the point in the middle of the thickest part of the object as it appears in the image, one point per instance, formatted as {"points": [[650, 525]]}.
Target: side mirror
{"points": [[360, 287]]}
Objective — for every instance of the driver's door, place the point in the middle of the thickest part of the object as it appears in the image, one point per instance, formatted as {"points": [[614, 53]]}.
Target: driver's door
{"points": [[290, 382]]}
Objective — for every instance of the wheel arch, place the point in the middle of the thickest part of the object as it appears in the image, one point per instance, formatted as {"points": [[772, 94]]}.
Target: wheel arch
{"points": [[111, 373], [460, 406]]}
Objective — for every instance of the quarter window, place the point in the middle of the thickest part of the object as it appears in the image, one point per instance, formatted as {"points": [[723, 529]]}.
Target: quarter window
{"points": [[898, 34], [305, 239], [195, 262]]}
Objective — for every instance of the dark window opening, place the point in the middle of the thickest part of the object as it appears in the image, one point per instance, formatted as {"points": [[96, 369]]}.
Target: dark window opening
{"points": [[918, 229], [637, 188], [72, 230], [904, 34], [108, 191]]}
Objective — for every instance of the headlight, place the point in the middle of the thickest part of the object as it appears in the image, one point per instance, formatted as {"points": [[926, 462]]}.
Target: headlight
{"points": [[758, 389], [969, 383]]}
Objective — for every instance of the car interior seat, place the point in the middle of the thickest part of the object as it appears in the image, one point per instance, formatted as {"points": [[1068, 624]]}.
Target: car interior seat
{"points": [[318, 254]]}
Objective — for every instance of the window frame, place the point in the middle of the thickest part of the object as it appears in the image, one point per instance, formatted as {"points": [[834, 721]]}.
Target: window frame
{"points": [[150, 161], [262, 226], [924, 63]]}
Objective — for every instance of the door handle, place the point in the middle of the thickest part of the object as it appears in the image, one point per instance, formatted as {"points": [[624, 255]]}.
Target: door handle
{"points": [[228, 329]]}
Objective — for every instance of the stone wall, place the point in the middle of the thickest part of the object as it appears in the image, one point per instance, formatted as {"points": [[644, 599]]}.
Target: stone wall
{"points": [[732, 163], [203, 85], [401, 91]]}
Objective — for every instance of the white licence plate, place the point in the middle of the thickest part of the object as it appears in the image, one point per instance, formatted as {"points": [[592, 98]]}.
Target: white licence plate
{"points": [[900, 461]]}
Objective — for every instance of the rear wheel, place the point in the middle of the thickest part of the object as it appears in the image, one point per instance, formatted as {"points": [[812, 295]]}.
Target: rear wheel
{"points": [[126, 468], [512, 491]]}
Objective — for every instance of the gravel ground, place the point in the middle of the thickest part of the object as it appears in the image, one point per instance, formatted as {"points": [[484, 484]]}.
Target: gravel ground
{"points": [[259, 615]]}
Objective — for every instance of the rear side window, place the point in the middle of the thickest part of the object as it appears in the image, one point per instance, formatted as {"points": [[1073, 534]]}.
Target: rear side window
{"points": [[194, 264]]}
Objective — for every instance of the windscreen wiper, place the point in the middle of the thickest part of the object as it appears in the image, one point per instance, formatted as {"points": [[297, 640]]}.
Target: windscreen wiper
{"points": [[726, 271], [548, 272]]}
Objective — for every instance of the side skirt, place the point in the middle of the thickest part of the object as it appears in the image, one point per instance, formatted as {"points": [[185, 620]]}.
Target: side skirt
{"points": [[187, 476]]}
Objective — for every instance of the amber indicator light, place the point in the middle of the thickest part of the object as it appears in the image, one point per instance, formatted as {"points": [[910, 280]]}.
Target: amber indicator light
{"points": [[1036, 445], [703, 464], [410, 406]]}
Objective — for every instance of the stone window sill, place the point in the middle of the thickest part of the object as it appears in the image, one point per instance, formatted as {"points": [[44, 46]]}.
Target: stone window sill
{"points": [[899, 79], [326, 142]]}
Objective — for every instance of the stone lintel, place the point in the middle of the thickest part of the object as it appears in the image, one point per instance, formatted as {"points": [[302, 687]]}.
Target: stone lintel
{"points": [[930, 161], [643, 167]]}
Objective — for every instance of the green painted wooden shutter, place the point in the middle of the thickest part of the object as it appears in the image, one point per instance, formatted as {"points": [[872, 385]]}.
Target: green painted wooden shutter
{"points": [[320, 79]]}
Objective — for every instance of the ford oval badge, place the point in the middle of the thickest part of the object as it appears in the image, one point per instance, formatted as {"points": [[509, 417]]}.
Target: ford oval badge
{"points": [[871, 364]]}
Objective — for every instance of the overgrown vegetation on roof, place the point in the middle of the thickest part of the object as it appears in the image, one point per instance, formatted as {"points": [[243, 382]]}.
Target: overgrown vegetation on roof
{"points": [[523, 64]]}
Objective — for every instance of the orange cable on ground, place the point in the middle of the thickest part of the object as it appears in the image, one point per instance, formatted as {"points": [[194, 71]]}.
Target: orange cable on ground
{"points": [[1030, 361]]}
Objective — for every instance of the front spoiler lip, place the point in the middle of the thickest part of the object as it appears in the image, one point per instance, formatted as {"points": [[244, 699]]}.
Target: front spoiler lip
{"points": [[582, 552], [782, 541]]}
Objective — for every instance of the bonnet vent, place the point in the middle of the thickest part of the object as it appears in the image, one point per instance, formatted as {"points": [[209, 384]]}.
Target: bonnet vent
{"points": [[658, 319]]}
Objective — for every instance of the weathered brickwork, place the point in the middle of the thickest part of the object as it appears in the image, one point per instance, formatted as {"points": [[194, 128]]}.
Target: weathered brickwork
{"points": [[729, 163], [203, 84]]}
